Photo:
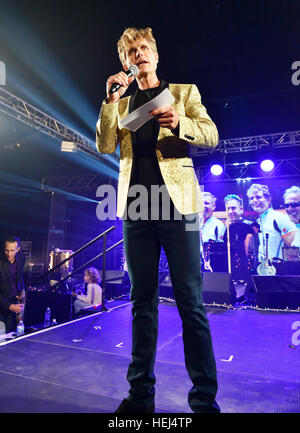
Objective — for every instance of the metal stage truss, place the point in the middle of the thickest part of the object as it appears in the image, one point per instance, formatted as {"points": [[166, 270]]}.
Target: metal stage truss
{"points": [[287, 167], [246, 144], [233, 172], [26, 113], [32, 116], [77, 182]]}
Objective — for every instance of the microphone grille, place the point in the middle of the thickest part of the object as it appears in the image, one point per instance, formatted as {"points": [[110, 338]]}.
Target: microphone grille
{"points": [[134, 69]]}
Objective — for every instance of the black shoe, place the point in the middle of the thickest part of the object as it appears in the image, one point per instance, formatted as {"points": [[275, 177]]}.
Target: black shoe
{"points": [[127, 407]]}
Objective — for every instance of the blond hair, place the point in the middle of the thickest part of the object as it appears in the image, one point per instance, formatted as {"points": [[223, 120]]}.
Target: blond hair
{"points": [[260, 188], [210, 195], [292, 190], [130, 35], [93, 275]]}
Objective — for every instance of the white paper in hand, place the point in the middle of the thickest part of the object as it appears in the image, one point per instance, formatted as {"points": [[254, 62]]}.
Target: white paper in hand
{"points": [[141, 115]]}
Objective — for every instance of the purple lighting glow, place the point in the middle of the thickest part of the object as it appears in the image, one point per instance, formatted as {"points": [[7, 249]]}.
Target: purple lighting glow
{"points": [[216, 169], [267, 165]]}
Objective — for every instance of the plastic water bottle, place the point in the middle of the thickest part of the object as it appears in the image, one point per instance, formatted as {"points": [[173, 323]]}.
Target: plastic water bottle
{"points": [[20, 328], [47, 321]]}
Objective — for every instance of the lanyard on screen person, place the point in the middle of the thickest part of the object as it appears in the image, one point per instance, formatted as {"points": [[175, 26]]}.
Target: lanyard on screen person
{"points": [[228, 242]]}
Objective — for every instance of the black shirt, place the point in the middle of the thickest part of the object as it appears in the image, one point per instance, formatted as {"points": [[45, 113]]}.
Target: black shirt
{"points": [[238, 232], [145, 167], [145, 170], [13, 278], [10, 275]]}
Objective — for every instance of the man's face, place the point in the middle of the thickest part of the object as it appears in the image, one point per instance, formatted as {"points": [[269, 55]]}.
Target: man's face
{"points": [[259, 202], [293, 212], [141, 54], [10, 250], [235, 210], [209, 206]]}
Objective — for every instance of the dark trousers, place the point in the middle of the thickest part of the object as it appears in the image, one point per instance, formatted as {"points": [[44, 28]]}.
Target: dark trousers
{"points": [[10, 320], [142, 243]]}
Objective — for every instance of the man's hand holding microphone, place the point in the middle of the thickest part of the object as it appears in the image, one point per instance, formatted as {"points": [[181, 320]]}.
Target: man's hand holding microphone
{"points": [[116, 85]]}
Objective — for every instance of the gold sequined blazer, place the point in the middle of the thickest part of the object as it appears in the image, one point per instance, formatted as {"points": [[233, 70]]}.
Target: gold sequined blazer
{"points": [[175, 163]]}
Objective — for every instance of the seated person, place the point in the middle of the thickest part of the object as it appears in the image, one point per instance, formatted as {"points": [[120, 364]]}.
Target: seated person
{"points": [[94, 291]]}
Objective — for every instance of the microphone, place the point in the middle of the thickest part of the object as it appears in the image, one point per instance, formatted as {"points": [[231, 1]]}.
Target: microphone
{"points": [[133, 70]]}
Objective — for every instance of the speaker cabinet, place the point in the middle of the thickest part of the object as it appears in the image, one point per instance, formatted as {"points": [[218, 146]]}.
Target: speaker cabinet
{"points": [[217, 288], [278, 291], [117, 283]]}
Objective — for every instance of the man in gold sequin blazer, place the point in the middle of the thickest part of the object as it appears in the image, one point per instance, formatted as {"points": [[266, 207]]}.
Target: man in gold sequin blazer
{"points": [[157, 154], [172, 148]]}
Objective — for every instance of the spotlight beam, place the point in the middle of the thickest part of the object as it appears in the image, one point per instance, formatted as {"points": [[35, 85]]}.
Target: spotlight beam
{"points": [[20, 110], [19, 185]]}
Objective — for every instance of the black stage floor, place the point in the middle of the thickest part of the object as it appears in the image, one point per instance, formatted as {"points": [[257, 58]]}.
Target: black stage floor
{"points": [[81, 366]]}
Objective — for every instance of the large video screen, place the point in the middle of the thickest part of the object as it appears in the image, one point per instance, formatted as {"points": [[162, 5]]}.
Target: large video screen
{"points": [[263, 220]]}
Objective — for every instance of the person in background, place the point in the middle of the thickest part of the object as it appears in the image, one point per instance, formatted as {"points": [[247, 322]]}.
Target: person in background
{"points": [[241, 241], [276, 224], [12, 288], [291, 198], [94, 292], [235, 209], [212, 228]]}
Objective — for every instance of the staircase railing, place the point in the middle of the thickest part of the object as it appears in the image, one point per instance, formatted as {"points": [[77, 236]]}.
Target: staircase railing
{"points": [[102, 254]]}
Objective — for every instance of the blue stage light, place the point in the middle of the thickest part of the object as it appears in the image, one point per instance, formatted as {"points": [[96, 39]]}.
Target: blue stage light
{"points": [[216, 169], [267, 165]]}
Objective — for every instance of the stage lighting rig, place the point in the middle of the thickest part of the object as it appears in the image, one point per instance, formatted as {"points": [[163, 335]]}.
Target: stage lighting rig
{"points": [[267, 165], [68, 146], [216, 169]]}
